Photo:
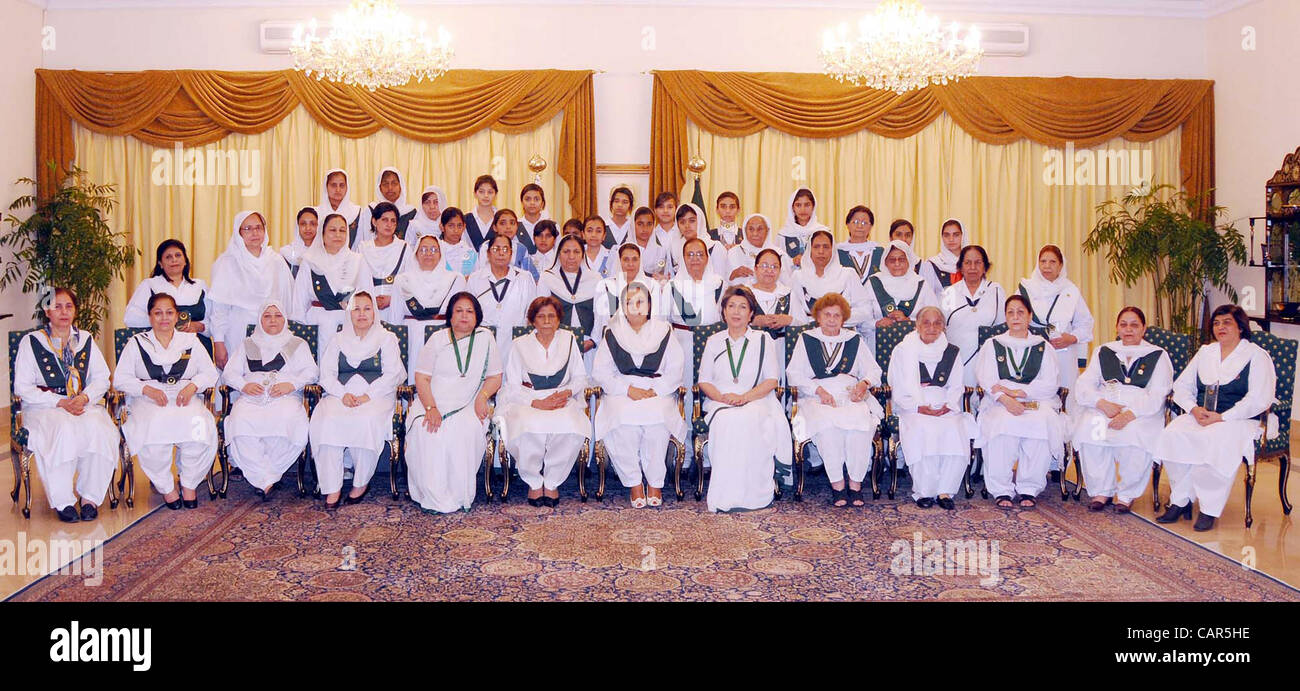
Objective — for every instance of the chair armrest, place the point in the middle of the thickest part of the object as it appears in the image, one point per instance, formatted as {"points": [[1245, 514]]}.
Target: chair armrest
{"points": [[1063, 393], [966, 396], [698, 411]]}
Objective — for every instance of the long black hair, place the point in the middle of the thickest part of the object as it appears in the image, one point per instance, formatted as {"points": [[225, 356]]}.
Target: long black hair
{"points": [[163, 247]]}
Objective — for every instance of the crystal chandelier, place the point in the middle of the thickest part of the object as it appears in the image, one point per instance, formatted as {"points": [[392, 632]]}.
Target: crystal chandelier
{"points": [[900, 48], [372, 45]]}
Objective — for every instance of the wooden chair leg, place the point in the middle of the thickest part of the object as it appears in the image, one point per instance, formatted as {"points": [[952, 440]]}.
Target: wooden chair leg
{"points": [[392, 471], [15, 453], [1155, 487], [876, 463], [680, 461], [967, 488], [1250, 492], [487, 468], [27, 483], [698, 467], [800, 469], [1284, 471], [582, 469], [506, 461], [893, 467]]}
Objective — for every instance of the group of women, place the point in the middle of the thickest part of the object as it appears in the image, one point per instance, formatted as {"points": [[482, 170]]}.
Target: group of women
{"points": [[617, 302]]}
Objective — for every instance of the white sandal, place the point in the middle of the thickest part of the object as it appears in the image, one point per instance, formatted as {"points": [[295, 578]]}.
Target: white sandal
{"points": [[654, 501]]}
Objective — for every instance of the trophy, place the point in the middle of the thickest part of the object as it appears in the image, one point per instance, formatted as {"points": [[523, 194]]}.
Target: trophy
{"points": [[536, 165]]}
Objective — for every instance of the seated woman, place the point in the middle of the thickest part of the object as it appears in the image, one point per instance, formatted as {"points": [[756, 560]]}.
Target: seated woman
{"points": [[456, 373], [895, 293], [60, 375], [329, 275], [610, 290], [925, 378], [574, 283], [1019, 419], [360, 371], [1225, 387], [423, 289], [834, 371], [748, 430], [244, 278], [1120, 401], [160, 371], [171, 276], [639, 365], [1058, 306], [543, 404], [503, 291], [267, 428]]}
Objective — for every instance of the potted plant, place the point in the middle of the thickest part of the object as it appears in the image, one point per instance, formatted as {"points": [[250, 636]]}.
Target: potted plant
{"points": [[1162, 233], [66, 241]]}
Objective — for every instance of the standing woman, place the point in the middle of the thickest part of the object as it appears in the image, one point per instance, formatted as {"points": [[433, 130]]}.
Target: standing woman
{"points": [[1224, 388], [545, 237], [860, 252], [60, 375], [972, 302], [1019, 418], [456, 373], [502, 292], [896, 293], [748, 430], [335, 200], [689, 217], [574, 284], [756, 233], [944, 269], [359, 372], [800, 224], [925, 376], [390, 188], [1059, 307], [307, 225], [543, 396], [386, 255], [506, 223], [818, 276], [459, 255], [161, 371], [171, 276], [247, 275], [532, 199], [599, 258], [619, 220], [478, 223], [423, 290], [610, 290], [266, 430], [331, 273], [639, 366], [428, 218], [834, 371], [1120, 413]]}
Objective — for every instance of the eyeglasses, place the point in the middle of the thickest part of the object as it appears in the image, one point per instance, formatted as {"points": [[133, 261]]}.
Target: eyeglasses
{"points": [[251, 228], [427, 251], [860, 224], [500, 250], [696, 255], [768, 265]]}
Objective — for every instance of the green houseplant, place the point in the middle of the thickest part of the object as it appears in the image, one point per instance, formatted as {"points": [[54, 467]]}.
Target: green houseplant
{"points": [[65, 241], [1163, 233]]}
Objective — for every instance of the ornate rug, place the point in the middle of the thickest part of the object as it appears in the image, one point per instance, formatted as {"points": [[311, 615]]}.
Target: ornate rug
{"points": [[291, 549]]}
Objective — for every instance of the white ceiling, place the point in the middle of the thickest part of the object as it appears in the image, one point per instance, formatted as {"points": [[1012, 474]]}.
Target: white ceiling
{"points": [[1147, 8]]}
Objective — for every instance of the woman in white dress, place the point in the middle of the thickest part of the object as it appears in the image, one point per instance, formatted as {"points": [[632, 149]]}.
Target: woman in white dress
{"points": [[457, 251], [335, 199], [428, 216], [1059, 307], [574, 283], [639, 366], [896, 293], [171, 276], [834, 372], [266, 430], [61, 377], [360, 371], [162, 371], [543, 403], [749, 433], [308, 225], [860, 253], [478, 222], [423, 290], [503, 292], [773, 297], [545, 238], [247, 275], [972, 302], [690, 301], [329, 275], [689, 219], [386, 256], [609, 291], [756, 236], [944, 269], [925, 378], [800, 224], [1225, 387], [599, 258], [818, 276], [390, 188], [1120, 413], [1020, 423], [456, 373], [654, 255]]}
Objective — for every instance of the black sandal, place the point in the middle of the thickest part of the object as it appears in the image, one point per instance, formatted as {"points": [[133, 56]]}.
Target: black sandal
{"points": [[997, 501], [837, 496], [1099, 504], [1020, 502], [855, 498]]}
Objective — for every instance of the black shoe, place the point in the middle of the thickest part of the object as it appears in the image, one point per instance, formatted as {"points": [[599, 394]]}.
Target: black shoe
{"points": [[89, 512], [174, 505], [191, 503], [1054, 477], [838, 495], [555, 501], [267, 494], [946, 503], [349, 499], [1203, 522], [68, 514], [1099, 504], [1173, 513], [855, 498], [236, 473], [330, 506], [925, 502], [536, 501]]}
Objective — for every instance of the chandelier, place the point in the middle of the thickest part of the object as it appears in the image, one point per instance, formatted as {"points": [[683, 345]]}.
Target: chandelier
{"points": [[372, 45], [900, 48]]}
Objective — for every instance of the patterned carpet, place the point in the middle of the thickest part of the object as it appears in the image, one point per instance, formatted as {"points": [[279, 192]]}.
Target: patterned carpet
{"points": [[291, 549]]}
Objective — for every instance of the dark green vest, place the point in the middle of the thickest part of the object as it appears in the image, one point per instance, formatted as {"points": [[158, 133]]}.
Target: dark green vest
{"points": [[1138, 374], [1034, 362]]}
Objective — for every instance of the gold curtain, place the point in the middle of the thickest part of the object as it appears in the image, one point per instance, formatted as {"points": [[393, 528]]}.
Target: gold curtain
{"points": [[197, 107], [998, 191], [994, 110], [278, 171]]}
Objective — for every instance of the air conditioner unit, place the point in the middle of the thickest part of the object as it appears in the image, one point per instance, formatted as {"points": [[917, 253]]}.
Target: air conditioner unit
{"points": [[276, 36], [1004, 40]]}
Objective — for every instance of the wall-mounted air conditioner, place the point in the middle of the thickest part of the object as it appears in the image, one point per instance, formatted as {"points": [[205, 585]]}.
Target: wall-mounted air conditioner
{"points": [[1000, 40]]}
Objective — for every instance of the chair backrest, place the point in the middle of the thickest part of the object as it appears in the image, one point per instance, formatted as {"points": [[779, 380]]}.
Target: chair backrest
{"points": [[307, 332], [122, 335], [887, 339], [15, 338], [699, 338], [792, 334], [399, 330], [987, 332], [1177, 345], [1283, 353]]}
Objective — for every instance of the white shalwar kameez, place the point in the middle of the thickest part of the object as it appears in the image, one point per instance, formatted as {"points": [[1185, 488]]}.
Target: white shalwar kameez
{"points": [[1021, 445], [422, 224], [937, 447], [423, 296], [577, 295], [907, 293], [1059, 306], [348, 209], [688, 303], [544, 443], [383, 266], [842, 432], [241, 283], [965, 312], [504, 301], [323, 287], [191, 297]]}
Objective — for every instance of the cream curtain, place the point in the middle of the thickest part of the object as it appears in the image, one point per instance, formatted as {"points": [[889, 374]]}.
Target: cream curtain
{"points": [[999, 191], [281, 169]]}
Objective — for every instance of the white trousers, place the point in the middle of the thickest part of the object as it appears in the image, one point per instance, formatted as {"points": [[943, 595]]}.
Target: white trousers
{"points": [[93, 473], [194, 458], [1014, 465], [842, 449], [329, 467], [1100, 464], [264, 460], [935, 475], [545, 460], [1201, 483], [639, 452]]}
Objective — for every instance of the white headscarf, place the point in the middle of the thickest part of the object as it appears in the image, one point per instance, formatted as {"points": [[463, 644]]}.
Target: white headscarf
{"points": [[901, 287], [403, 207], [750, 250], [245, 281], [356, 348], [428, 287], [267, 345], [710, 245], [555, 282], [645, 341], [347, 208], [794, 230], [342, 268], [1043, 292], [945, 259], [294, 251], [421, 224]]}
